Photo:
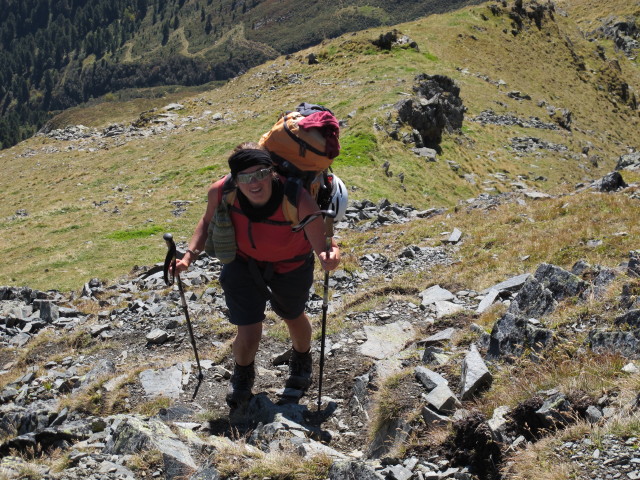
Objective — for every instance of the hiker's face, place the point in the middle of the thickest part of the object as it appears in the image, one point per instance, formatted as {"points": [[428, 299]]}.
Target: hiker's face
{"points": [[257, 192]]}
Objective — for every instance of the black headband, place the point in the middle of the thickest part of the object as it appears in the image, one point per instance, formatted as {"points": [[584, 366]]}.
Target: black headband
{"points": [[248, 157]]}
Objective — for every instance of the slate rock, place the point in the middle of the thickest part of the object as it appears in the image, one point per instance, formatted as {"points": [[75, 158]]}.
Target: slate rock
{"points": [[513, 335], [475, 374], [561, 283], [103, 368], [386, 340], [533, 300], [429, 378], [164, 382], [629, 161], [442, 399], [351, 470], [434, 419], [443, 308], [623, 343], [629, 319], [131, 435], [554, 411], [633, 267], [49, 311], [512, 284], [157, 336], [612, 182], [488, 300], [438, 338], [389, 436], [434, 294]]}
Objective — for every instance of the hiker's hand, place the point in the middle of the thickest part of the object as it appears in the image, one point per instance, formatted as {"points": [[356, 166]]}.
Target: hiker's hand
{"points": [[181, 266], [331, 259]]}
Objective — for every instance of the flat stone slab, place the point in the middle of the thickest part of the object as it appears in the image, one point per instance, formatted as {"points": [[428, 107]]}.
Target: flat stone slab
{"points": [[511, 284], [488, 300], [386, 340], [455, 236], [446, 308], [435, 294], [166, 382], [439, 338]]}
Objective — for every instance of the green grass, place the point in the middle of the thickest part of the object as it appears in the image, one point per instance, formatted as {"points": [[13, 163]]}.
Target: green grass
{"points": [[355, 150], [88, 239], [124, 235]]}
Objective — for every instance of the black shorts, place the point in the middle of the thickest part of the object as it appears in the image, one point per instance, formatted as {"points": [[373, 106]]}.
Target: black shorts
{"points": [[246, 296]]}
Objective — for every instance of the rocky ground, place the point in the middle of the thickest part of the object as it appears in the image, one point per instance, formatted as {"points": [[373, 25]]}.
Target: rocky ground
{"points": [[393, 374]]}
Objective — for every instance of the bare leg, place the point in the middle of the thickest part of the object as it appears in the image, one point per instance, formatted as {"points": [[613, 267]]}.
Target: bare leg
{"points": [[245, 345], [300, 332]]}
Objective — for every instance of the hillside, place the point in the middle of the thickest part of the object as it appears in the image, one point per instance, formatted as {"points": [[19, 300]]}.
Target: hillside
{"points": [[61, 54], [484, 321], [93, 201]]}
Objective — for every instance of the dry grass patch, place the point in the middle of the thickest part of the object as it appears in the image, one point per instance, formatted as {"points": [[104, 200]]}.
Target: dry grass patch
{"points": [[152, 407], [217, 354], [539, 461], [388, 403], [514, 239], [146, 461], [236, 458], [582, 373]]}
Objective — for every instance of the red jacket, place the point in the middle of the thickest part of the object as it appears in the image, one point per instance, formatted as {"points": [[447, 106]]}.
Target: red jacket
{"points": [[270, 240]]}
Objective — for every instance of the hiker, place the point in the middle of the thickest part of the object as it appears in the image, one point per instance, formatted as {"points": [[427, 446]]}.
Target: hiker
{"points": [[272, 263]]}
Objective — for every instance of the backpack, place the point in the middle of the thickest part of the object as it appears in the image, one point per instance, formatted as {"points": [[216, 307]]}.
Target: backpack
{"points": [[303, 144], [302, 154]]}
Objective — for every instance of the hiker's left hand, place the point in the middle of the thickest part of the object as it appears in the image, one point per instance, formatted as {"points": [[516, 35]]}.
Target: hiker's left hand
{"points": [[330, 260]]}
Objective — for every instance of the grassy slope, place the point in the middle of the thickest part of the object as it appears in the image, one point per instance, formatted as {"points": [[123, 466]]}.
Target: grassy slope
{"points": [[66, 240]]}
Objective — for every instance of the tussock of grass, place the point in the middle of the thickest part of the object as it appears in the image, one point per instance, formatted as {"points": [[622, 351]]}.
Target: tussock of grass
{"points": [[237, 458], [387, 404], [588, 374], [146, 461], [152, 407]]}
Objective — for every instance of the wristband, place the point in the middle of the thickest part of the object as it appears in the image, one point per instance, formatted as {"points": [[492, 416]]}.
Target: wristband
{"points": [[194, 253]]}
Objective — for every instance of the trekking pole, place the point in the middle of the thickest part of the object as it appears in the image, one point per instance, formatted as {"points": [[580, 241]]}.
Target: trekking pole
{"points": [[171, 260], [328, 221]]}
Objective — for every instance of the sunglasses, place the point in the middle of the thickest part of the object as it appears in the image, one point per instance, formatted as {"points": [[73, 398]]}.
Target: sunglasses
{"points": [[258, 175]]}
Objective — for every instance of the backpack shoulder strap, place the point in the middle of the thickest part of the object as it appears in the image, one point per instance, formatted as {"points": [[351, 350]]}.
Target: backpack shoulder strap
{"points": [[229, 188], [290, 200]]}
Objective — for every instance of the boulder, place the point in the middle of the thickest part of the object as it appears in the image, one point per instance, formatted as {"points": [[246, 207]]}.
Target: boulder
{"points": [[533, 300], [131, 434], [350, 470], [436, 108], [513, 335], [611, 182], [561, 283]]}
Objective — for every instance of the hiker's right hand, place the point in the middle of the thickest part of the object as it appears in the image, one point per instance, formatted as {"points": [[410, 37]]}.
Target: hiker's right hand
{"points": [[181, 266]]}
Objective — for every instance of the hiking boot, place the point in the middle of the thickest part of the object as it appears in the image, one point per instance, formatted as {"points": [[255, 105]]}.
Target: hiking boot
{"points": [[240, 385], [300, 368]]}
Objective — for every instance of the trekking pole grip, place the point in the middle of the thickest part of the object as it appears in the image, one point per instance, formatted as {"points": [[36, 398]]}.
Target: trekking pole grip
{"points": [[168, 238]]}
